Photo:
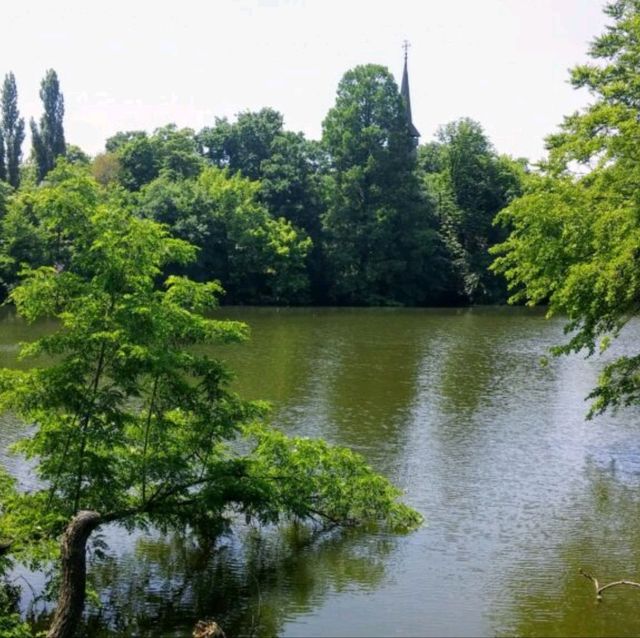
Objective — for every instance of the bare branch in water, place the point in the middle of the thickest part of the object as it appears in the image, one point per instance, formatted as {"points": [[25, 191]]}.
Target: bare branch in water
{"points": [[599, 589]]}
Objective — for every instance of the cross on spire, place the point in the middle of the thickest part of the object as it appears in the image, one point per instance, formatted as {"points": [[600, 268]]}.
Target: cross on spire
{"points": [[405, 45]]}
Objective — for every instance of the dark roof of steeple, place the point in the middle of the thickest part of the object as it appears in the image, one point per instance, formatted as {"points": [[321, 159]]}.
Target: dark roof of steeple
{"points": [[404, 91]]}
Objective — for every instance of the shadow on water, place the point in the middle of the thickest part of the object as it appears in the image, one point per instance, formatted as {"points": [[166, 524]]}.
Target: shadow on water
{"points": [[373, 384], [13, 332], [485, 354]]}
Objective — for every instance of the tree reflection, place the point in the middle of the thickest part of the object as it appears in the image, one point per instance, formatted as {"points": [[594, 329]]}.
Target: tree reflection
{"points": [[249, 585], [372, 389], [278, 362], [348, 374]]}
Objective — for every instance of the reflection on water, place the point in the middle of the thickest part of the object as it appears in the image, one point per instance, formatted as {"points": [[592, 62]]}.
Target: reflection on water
{"points": [[518, 490], [250, 584]]}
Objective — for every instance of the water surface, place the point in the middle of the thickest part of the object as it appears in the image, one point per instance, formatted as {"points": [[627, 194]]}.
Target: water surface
{"points": [[518, 490]]}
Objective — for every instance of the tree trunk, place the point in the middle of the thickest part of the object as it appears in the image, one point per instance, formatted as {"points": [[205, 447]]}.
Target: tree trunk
{"points": [[74, 574]]}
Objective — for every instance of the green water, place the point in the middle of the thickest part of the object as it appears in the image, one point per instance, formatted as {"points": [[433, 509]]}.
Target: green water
{"points": [[518, 490]]}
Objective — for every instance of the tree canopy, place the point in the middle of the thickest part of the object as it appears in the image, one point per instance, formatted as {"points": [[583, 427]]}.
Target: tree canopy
{"points": [[381, 239], [256, 256], [471, 184], [359, 217]]}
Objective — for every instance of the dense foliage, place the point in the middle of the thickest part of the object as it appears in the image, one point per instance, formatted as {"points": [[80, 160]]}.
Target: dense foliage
{"points": [[11, 625], [471, 184], [380, 235], [259, 257], [358, 218], [576, 230]]}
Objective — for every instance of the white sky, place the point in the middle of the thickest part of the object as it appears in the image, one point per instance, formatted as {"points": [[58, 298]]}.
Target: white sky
{"points": [[139, 64]]}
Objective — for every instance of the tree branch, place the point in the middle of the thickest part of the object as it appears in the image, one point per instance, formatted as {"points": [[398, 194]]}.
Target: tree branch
{"points": [[146, 437], [85, 424], [599, 589]]}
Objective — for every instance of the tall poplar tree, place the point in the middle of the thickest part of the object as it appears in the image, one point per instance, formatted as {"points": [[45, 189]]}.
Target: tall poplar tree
{"points": [[12, 129], [48, 138]]}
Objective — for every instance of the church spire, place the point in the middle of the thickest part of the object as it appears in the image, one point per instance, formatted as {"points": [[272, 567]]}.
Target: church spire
{"points": [[404, 91]]}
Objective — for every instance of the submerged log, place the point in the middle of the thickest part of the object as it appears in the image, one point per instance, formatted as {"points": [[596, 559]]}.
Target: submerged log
{"points": [[71, 597]]}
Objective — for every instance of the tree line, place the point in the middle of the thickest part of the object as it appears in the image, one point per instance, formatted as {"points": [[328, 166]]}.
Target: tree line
{"points": [[360, 217]]}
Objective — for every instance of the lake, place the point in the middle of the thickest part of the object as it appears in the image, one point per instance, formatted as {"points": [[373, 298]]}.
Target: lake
{"points": [[518, 490]]}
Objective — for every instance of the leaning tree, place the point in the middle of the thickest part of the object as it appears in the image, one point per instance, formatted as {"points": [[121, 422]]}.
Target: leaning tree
{"points": [[134, 423]]}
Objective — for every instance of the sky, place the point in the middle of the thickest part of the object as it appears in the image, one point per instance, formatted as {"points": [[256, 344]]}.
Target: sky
{"points": [[140, 64]]}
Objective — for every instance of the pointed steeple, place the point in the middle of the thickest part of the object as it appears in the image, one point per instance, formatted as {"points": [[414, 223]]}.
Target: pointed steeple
{"points": [[404, 91]]}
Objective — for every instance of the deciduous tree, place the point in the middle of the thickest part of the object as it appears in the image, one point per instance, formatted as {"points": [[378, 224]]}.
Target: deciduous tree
{"points": [[471, 184], [575, 243], [242, 145], [380, 232], [142, 158], [258, 258], [135, 425]]}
